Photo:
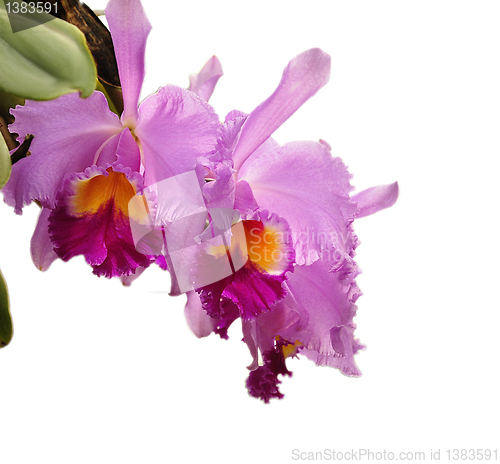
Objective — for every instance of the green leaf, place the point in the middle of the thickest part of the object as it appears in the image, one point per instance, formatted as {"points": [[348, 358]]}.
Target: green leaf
{"points": [[5, 164], [5, 319], [44, 61]]}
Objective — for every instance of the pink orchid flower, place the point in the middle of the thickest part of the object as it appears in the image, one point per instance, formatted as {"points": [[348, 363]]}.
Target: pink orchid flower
{"points": [[310, 308], [87, 163]]}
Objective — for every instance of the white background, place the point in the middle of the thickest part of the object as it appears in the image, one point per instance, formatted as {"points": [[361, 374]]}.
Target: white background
{"points": [[98, 373]]}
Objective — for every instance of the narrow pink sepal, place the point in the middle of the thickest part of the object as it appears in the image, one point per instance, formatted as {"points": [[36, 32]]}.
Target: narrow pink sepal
{"points": [[129, 29], [374, 199], [203, 83], [302, 78]]}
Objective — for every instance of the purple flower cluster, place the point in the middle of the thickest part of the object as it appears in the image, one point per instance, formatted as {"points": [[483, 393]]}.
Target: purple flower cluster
{"points": [[249, 229]]}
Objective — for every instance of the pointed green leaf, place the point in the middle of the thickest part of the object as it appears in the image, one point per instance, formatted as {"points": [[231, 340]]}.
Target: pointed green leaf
{"points": [[5, 319], [5, 164], [44, 61]]}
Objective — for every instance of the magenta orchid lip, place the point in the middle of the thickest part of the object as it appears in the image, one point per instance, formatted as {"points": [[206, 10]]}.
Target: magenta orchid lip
{"points": [[247, 228]]}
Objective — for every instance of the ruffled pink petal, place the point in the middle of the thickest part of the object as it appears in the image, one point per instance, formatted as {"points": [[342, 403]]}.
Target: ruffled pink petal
{"points": [[302, 78], [42, 248], [203, 83], [129, 29], [210, 296], [229, 133], [175, 127], [344, 363], [327, 299], [262, 383], [304, 184], [91, 219], [374, 199], [70, 132], [254, 292]]}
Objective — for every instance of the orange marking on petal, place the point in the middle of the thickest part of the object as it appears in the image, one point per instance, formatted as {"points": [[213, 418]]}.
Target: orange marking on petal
{"points": [[91, 194], [265, 246]]}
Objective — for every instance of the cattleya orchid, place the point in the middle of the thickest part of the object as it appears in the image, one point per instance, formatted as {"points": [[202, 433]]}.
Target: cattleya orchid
{"points": [[244, 144], [297, 292], [247, 228], [87, 162]]}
